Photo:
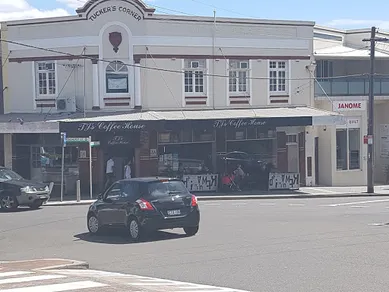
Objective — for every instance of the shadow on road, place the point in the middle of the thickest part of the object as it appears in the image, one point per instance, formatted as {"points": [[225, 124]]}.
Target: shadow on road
{"points": [[119, 237], [19, 210]]}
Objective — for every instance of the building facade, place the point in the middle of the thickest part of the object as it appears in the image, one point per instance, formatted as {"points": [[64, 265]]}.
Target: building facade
{"points": [[342, 85], [159, 90]]}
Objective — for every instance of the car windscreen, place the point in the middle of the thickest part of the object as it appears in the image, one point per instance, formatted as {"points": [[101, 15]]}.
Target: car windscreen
{"points": [[163, 188], [7, 174]]}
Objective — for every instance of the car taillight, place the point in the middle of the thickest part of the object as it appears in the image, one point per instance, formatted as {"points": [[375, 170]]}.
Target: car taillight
{"points": [[144, 205], [194, 201]]}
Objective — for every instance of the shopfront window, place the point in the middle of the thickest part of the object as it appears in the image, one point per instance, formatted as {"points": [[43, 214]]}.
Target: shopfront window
{"points": [[348, 145], [185, 151], [47, 163]]}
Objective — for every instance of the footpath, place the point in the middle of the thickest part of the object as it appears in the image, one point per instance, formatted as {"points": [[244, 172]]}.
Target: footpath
{"points": [[55, 275], [302, 193]]}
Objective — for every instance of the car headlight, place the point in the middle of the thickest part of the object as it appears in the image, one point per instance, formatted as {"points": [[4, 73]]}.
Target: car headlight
{"points": [[26, 190]]}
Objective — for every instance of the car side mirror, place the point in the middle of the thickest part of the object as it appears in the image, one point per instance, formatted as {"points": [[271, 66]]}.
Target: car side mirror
{"points": [[100, 197]]}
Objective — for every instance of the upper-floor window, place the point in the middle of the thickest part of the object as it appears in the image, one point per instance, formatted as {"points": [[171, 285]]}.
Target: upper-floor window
{"points": [[239, 76], [46, 78], [116, 77], [324, 69], [194, 80], [278, 76]]}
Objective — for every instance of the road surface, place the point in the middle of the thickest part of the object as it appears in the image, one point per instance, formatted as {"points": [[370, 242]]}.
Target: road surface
{"points": [[335, 244]]}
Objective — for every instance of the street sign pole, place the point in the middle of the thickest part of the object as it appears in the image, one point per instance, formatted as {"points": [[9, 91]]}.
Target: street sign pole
{"points": [[90, 167], [63, 140]]}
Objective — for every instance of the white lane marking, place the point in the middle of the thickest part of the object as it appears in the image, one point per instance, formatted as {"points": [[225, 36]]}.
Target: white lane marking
{"points": [[58, 287], [141, 281], [14, 273], [297, 205], [239, 204], [357, 206], [267, 204], [152, 284], [30, 279], [357, 203], [210, 204]]}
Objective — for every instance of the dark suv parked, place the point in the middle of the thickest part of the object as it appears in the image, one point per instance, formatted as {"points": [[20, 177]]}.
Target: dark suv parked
{"points": [[16, 191], [142, 205]]}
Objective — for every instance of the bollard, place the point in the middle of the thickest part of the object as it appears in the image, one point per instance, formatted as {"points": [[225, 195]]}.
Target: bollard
{"points": [[78, 189]]}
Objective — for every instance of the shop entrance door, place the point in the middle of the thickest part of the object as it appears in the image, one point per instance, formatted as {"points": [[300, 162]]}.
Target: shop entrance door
{"points": [[293, 157]]}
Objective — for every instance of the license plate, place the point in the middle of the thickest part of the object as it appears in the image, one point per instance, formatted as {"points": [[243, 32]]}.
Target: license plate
{"points": [[173, 212]]}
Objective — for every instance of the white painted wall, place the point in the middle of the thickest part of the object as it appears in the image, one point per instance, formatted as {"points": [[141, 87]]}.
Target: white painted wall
{"points": [[162, 35], [329, 175]]}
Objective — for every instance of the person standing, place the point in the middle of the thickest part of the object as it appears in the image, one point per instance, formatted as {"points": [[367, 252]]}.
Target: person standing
{"points": [[109, 172], [127, 170]]}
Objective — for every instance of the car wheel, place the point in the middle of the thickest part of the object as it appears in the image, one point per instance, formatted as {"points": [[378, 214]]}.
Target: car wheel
{"points": [[134, 229], [192, 230], [8, 202], [36, 204], [93, 224]]}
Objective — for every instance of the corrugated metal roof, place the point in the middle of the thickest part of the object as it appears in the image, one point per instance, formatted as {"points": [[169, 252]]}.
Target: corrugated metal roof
{"points": [[347, 52], [210, 114]]}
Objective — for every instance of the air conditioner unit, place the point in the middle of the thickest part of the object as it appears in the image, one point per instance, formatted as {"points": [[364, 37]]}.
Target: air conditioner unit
{"points": [[66, 104]]}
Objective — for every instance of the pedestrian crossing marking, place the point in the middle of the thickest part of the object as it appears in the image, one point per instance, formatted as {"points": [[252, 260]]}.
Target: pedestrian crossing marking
{"points": [[58, 287], [29, 279], [147, 283], [13, 277], [77, 280], [14, 273]]}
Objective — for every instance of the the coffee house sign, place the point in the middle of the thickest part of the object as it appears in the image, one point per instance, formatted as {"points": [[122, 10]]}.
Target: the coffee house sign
{"points": [[110, 126], [238, 123], [114, 8]]}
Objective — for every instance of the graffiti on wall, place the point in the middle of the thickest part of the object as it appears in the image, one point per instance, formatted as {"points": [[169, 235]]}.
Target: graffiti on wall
{"points": [[284, 181], [201, 182]]}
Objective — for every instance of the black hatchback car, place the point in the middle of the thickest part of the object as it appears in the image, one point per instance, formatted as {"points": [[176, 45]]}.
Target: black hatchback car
{"points": [[142, 205]]}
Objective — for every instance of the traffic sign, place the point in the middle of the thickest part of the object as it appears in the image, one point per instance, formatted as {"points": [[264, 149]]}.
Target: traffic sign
{"points": [[77, 140], [95, 143], [63, 139]]}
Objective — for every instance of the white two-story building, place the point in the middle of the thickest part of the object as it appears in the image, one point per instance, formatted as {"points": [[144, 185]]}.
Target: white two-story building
{"points": [[342, 85], [164, 91]]}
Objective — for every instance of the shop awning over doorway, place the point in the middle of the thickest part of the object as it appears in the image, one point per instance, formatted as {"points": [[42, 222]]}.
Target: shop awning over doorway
{"points": [[235, 118]]}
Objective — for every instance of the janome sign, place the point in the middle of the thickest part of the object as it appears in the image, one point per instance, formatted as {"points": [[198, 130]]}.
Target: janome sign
{"points": [[342, 106]]}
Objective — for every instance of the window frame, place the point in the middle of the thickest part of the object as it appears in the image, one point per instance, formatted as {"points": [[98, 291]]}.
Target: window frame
{"points": [[106, 196], [324, 69], [193, 70], [132, 197], [236, 69], [116, 74], [46, 72], [347, 128], [277, 70]]}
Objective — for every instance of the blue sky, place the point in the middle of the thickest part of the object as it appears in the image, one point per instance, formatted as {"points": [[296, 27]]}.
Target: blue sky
{"points": [[341, 14]]}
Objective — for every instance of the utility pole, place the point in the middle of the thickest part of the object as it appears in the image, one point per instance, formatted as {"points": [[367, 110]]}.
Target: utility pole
{"points": [[370, 124]]}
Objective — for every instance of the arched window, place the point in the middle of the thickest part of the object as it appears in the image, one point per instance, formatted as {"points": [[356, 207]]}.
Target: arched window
{"points": [[116, 77]]}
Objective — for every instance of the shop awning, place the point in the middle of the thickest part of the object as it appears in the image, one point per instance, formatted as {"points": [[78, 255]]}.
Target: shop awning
{"points": [[237, 118]]}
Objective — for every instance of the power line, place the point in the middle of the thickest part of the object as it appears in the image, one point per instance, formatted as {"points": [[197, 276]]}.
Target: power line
{"points": [[223, 9], [73, 56]]}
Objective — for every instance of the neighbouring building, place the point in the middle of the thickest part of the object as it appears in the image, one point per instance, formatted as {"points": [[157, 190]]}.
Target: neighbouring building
{"points": [[342, 85], [164, 91]]}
